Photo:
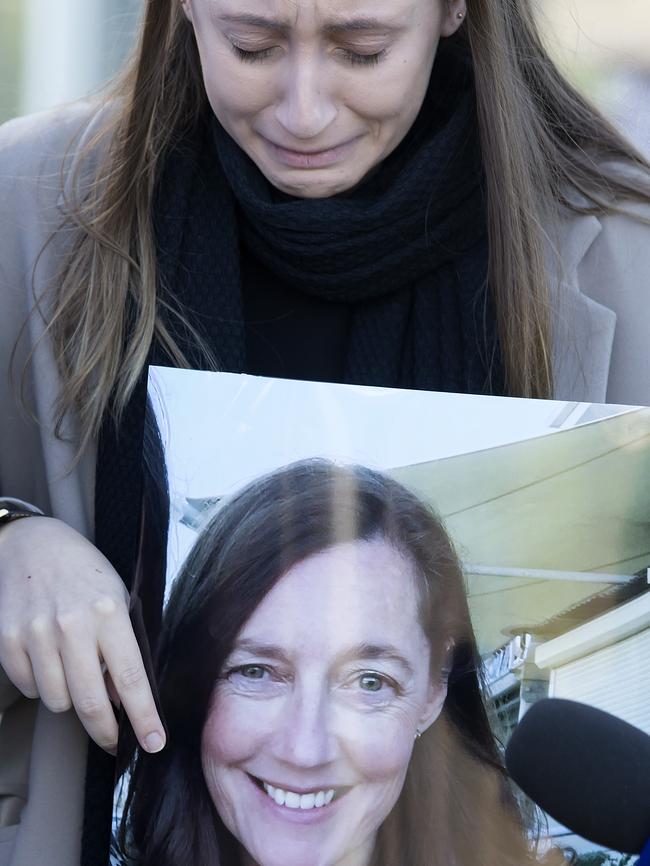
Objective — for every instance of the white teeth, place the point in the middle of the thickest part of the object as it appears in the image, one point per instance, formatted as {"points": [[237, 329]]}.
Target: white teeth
{"points": [[292, 800]]}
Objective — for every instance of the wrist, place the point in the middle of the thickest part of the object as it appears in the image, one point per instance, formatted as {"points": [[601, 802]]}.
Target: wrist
{"points": [[16, 509]]}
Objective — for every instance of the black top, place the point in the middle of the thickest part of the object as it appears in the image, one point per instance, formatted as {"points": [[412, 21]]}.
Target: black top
{"points": [[290, 334]]}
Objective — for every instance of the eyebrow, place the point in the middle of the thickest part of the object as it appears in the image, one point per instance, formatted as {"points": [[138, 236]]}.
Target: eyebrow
{"points": [[268, 650], [379, 651], [331, 28], [362, 650]]}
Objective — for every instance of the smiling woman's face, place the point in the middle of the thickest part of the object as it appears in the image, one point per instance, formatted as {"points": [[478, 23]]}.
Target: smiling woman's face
{"points": [[311, 725], [318, 92]]}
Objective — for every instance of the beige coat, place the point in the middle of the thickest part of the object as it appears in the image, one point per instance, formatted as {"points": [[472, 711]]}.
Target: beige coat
{"points": [[603, 319]]}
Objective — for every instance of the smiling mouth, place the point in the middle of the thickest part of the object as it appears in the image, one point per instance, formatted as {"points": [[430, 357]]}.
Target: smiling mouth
{"points": [[315, 799]]}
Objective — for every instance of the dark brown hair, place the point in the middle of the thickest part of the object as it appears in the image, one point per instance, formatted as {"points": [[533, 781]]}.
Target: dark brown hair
{"points": [[456, 806]]}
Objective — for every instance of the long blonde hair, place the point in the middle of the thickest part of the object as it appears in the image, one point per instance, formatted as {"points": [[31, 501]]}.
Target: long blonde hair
{"points": [[539, 138]]}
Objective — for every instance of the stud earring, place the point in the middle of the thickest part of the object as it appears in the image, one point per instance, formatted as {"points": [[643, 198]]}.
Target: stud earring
{"points": [[418, 734], [460, 15]]}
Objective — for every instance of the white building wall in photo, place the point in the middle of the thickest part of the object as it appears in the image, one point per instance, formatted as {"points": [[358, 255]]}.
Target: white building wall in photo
{"points": [[605, 663], [615, 679]]}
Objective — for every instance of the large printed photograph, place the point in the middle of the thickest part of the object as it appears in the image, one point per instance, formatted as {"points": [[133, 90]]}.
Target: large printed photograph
{"points": [[365, 590]]}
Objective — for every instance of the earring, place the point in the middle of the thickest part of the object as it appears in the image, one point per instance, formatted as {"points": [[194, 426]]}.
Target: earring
{"points": [[418, 734], [460, 15]]}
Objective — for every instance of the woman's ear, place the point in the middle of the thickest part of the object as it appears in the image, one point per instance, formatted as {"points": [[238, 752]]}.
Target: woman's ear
{"points": [[454, 15], [438, 689], [434, 705]]}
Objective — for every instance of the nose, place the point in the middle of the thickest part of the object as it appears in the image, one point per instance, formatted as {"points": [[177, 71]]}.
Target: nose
{"points": [[305, 108], [304, 736]]}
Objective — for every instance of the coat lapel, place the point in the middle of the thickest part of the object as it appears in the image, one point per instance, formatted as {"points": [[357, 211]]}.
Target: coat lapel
{"points": [[583, 329]]}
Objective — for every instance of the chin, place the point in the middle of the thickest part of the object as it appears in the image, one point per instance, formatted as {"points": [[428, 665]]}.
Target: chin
{"points": [[287, 855], [290, 853], [312, 183], [313, 187]]}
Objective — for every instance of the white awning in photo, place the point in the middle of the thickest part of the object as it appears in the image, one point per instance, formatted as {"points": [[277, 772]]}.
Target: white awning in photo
{"points": [[544, 524]]}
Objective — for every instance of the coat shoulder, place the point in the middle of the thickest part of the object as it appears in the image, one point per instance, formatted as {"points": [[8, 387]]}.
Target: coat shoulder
{"points": [[38, 151], [44, 134], [38, 156]]}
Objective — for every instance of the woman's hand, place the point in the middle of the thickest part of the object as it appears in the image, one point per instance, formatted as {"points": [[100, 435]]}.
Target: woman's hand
{"points": [[64, 621]]}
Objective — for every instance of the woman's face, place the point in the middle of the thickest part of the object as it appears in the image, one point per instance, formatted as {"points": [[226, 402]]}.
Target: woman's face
{"points": [[312, 723], [318, 92]]}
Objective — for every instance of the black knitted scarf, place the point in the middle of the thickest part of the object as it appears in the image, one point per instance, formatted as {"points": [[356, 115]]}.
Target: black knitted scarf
{"points": [[407, 249]]}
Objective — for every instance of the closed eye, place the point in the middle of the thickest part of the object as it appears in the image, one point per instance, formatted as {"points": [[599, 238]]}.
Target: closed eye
{"points": [[356, 59], [252, 56], [351, 57]]}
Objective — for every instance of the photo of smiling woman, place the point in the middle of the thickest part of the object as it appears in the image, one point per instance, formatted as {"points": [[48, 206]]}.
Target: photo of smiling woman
{"points": [[320, 683]]}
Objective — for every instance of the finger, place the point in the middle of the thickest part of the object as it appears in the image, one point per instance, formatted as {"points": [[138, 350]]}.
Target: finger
{"points": [[48, 669], [88, 692], [122, 657], [110, 688], [16, 664]]}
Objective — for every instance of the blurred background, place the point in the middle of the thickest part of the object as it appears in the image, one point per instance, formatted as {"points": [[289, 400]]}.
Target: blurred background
{"points": [[52, 51]]}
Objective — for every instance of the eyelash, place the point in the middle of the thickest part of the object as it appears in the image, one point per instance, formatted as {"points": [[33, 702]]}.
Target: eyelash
{"points": [[385, 680], [239, 669], [352, 57]]}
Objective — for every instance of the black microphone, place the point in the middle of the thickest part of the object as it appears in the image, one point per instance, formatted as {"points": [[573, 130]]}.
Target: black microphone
{"points": [[589, 770]]}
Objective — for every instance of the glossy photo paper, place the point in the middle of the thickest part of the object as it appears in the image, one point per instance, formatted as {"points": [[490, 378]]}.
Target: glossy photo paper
{"points": [[365, 591]]}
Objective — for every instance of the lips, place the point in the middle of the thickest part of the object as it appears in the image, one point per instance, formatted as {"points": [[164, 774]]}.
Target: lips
{"points": [[303, 799], [307, 152], [292, 800], [309, 159]]}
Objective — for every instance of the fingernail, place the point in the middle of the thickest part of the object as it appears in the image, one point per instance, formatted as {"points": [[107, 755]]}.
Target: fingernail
{"points": [[154, 742]]}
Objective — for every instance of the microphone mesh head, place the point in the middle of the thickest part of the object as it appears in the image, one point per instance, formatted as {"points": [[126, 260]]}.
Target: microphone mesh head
{"points": [[588, 769]]}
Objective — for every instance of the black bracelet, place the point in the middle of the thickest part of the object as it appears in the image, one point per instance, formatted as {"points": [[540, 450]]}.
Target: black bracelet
{"points": [[15, 509]]}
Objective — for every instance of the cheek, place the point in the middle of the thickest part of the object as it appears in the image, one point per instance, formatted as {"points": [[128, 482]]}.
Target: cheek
{"points": [[234, 89], [228, 735], [391, 98], [227, 741], [382, 748], [237, 98]]}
